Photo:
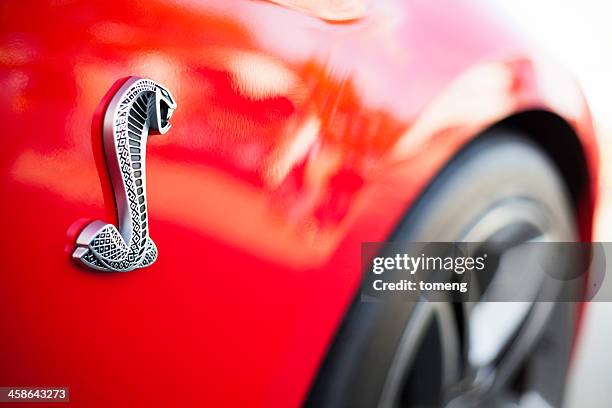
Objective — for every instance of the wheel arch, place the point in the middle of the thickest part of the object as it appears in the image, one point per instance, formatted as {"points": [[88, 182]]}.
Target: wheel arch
{"points": [[563, 145]]}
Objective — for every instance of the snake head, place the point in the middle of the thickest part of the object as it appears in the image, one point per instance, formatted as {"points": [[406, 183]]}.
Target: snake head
{"points": [[163, 110]]}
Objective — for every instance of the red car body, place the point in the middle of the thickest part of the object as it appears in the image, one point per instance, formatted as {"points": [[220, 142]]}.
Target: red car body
{"points": [[295, 139]]}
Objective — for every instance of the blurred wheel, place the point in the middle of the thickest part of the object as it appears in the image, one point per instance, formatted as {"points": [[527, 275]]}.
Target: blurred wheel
{"points": [[501, 190]]}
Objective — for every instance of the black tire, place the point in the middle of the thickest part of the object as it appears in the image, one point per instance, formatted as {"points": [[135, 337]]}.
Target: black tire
{"points": [[498, 167]]}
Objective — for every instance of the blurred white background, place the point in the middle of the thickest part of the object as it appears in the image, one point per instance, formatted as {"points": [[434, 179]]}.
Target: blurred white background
{"points": [[579, 35]]}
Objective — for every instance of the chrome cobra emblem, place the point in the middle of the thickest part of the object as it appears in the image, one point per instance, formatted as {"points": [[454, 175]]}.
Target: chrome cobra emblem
{"points": [[139, 107]]}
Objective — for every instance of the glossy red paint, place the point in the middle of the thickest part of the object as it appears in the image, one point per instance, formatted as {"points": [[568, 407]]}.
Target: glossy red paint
{"points": [[294, 140]]}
